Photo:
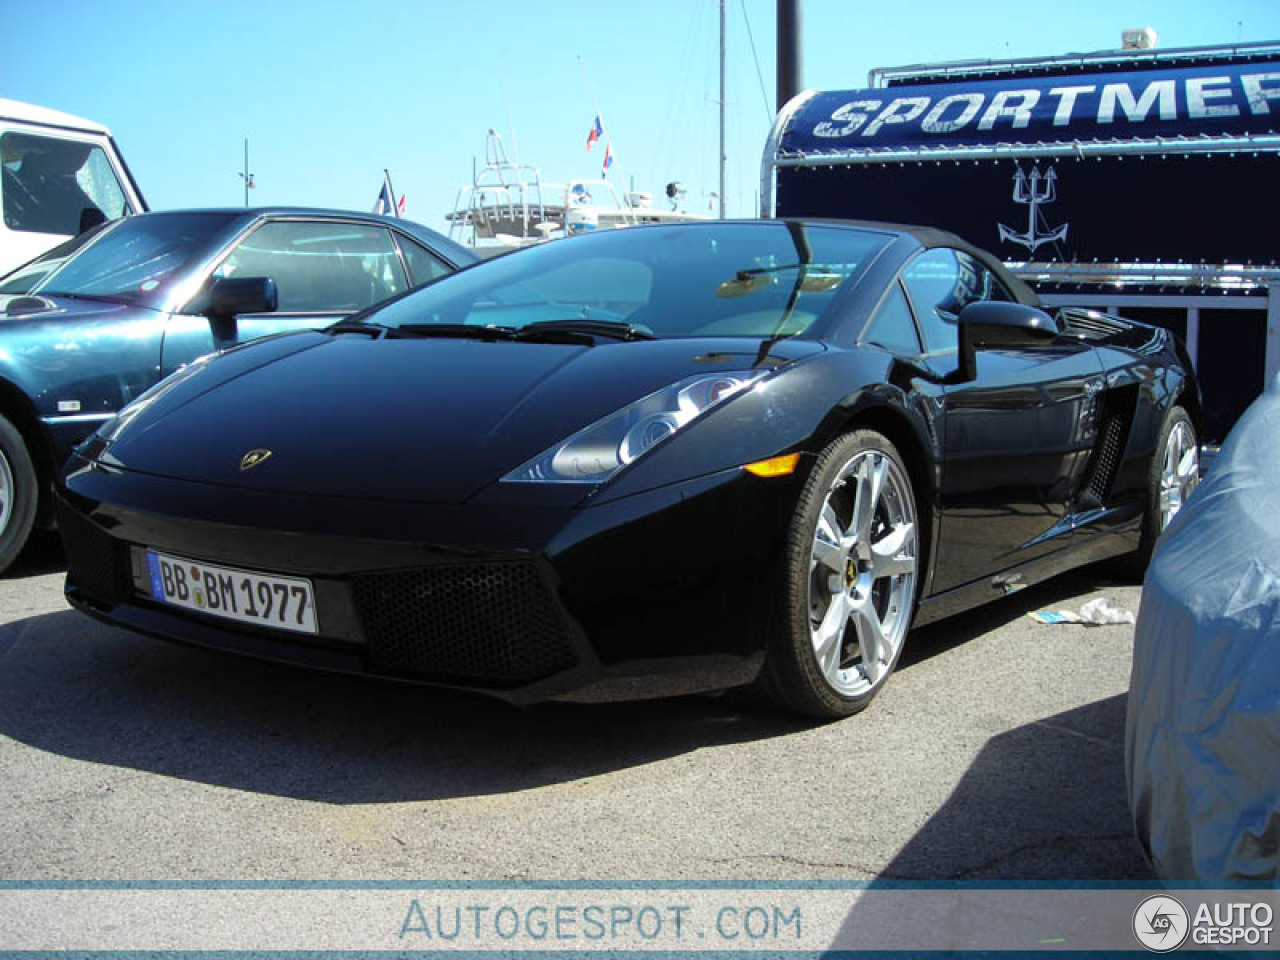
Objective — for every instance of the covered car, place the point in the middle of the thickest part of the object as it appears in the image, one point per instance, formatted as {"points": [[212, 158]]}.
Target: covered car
{"points": [[634, 463], [1203, 735]]}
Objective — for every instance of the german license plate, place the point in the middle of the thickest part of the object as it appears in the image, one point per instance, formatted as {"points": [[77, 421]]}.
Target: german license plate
{"points": [[285, 603]]}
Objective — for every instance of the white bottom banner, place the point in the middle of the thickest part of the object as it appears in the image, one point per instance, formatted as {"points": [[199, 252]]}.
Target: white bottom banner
{"points": [[402, 918]]}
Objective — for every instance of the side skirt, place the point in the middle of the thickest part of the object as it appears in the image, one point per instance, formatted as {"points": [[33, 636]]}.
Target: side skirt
{"points": [[1084, 549]]}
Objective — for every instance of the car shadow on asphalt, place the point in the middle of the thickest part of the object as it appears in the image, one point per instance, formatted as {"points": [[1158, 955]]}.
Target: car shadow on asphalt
{"points": [[76, 688], [1044, 801], [1045, 805]]}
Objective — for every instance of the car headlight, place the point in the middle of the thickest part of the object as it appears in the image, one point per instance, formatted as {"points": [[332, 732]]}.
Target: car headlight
{"points": [[596, 453]]}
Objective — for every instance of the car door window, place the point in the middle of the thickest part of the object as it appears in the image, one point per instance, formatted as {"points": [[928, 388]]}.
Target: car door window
{"points": [[942, 282], [892, 327], [424, 266], [320, 267]]}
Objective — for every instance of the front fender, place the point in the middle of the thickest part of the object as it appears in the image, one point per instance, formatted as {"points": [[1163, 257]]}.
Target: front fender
{"points": [[800, 408]]}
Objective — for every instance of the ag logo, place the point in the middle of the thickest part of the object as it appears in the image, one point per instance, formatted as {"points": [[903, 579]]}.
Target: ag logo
{"points": [[1161, 923]]}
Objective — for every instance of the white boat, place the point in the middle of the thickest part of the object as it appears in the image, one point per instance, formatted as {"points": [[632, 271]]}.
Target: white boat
{"points": [[510, 204]]}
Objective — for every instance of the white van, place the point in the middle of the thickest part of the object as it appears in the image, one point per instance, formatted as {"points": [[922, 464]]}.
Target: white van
{"points": [[59, 176]]}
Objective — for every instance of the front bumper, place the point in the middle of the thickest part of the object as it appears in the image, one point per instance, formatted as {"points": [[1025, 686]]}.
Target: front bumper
{"points": [[661, 593]]}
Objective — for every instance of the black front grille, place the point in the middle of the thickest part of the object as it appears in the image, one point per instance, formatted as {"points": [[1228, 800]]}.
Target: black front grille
{"points": [[97, 564], [492, 623]]}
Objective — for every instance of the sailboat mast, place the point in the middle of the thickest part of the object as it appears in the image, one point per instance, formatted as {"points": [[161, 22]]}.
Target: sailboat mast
{"points": [[723, 158]]}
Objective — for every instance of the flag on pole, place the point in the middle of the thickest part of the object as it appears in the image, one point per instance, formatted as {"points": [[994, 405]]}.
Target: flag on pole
{"points": [[597, 131], [386, 204], [608, 158]]}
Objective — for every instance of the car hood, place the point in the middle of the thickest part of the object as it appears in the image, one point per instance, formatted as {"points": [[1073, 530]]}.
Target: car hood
{"points": [[25, 307], [425, 420]]}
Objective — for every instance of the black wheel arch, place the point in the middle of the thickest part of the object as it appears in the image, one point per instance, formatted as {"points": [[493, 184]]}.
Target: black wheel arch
{"points": [[1188, 398], [1185, 389], [890, 417]]}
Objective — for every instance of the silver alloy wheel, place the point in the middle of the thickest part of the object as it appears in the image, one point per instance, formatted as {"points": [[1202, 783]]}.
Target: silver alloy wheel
{"points": [[1180, 472], [862, 571], [6, 492]]}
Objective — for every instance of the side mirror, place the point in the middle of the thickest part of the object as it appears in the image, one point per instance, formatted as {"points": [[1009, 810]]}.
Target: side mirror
{"points": [[229, 296], [91, 217], [997, 325]]}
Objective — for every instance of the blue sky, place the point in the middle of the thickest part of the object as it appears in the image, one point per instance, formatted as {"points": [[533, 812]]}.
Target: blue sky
{"points": [[329, 93]]}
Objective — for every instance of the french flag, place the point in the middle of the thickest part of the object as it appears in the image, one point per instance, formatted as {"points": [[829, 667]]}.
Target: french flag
{"points": [[386, 203], [608, 157], [597, 131]]}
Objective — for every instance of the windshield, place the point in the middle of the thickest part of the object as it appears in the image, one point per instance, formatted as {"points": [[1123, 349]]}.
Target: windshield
{"points": [[136, 258], [692, 280], [29, 274]]}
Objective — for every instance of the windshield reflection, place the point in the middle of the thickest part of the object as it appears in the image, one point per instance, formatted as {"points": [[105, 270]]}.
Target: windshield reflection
{"points": [[767, 280], [135, 259]]}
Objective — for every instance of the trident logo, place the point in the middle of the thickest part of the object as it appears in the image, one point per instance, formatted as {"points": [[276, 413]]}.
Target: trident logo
{"points": [[1033, 190]]}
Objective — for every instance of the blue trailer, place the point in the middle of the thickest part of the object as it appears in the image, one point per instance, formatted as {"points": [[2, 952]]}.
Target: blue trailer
{"points": [[1140, 182]]}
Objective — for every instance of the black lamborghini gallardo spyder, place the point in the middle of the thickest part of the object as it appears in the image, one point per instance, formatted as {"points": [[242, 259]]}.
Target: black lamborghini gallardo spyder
{"points": [[636, 463]]}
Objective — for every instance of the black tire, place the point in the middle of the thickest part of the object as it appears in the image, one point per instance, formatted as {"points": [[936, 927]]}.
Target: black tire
{"points": [[1132, 567], [1176, 431], [19, 494], [818, 602]]}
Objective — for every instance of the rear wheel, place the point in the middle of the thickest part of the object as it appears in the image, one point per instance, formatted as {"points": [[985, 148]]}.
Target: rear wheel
{"points": [[1179, 468], [849, 585], [18, 494], [1175, 472]]}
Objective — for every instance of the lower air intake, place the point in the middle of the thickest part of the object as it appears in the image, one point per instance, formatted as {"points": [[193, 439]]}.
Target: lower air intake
{"points": [[97, 565], [489, 623]]}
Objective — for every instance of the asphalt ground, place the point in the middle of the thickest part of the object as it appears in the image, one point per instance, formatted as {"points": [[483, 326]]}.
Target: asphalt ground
{"points": [[995, 752]]}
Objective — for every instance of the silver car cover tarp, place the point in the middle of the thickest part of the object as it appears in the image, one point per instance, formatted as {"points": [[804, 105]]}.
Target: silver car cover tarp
{"points": [[1203, 733]]}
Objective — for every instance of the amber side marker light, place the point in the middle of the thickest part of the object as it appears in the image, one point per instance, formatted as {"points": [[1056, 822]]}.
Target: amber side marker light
{"points": [[774, 466]]}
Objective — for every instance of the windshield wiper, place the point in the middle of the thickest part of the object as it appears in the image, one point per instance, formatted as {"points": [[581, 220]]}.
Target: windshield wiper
{"points": [[374, 330], [462, 331], [610, 329], [97, 297], [575, 332]]}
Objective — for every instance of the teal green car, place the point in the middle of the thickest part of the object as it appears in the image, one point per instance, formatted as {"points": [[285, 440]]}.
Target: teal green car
{"points": [[91, 324]]}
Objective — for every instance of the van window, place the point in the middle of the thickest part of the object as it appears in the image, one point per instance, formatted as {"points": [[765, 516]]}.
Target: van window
{"points": [[54, 185]]}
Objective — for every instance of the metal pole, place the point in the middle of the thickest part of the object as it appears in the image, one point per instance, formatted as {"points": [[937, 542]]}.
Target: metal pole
{"points": [[790, 65], [1271, 360], [723, 157], [391, 193]]}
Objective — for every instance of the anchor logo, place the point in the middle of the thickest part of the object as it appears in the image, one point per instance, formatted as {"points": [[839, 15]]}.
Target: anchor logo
{"points": [[1033, 190]]}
